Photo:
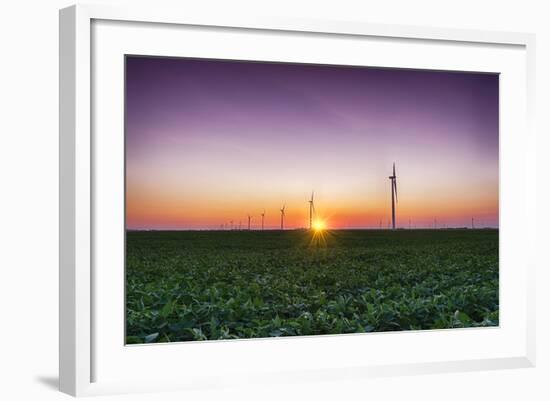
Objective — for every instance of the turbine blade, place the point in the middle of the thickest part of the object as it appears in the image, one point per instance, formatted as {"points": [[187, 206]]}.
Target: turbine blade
{"points": [[394, 169], [395, 189]]}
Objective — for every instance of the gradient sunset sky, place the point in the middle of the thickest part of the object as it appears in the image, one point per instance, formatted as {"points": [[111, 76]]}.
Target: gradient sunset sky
{"points": [[211, 141]]}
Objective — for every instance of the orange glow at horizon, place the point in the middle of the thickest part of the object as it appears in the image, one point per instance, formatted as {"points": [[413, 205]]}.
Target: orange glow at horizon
{"points": [[157, 210]]}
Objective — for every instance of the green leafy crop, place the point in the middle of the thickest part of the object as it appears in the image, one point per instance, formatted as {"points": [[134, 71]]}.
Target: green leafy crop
{"points": [[212, 285]]}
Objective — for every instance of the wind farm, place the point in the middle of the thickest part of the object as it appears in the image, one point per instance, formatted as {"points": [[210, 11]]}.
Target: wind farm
{"points": [[279, 199], [318, 222], [358, 272]]}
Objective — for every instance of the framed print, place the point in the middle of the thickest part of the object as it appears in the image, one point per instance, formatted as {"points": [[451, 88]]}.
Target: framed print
{"points": [[222, 243], [243, 195]]}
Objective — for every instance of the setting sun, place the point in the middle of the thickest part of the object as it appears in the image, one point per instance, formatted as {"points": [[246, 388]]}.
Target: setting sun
{"points": [[319, 225]]}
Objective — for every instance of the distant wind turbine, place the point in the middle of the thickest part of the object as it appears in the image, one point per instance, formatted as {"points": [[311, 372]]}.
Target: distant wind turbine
{"points": [[472, 223], [249, 217], [393, 179], [282, 216], [311, 211], [263, 217]]}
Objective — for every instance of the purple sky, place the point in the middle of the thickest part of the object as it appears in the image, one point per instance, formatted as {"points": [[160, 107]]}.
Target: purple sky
{"points": [[208, 141]]}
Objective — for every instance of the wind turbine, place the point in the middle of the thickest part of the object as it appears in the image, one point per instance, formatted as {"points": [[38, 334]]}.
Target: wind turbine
{"points": [[311, 211], [249, 217], [263, 216], [283, 216], [393, 179], [472, 223]]}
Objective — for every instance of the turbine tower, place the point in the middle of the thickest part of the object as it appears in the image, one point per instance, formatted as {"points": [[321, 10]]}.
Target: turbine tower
{"points": [[263, 217], [393, 179], [311, 211], [249, 217], [283, 217]]}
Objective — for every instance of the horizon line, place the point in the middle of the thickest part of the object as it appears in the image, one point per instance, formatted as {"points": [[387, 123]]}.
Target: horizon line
{"points": [[327, 229]]}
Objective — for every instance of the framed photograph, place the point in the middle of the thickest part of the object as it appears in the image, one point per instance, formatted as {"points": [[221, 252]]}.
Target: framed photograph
{"points": [[274, 200]]}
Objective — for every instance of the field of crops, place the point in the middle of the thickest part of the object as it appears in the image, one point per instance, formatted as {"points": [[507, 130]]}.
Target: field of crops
{"points": [[206, 285]]}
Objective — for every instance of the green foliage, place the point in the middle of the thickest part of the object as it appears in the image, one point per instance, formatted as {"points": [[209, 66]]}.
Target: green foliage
{"points": [[185, 286]]}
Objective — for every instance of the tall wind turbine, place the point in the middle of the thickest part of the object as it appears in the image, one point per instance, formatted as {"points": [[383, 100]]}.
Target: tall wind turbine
{"points": [[282, 216], [311, 211], [393, 179], [263, 217], [249, 217]]}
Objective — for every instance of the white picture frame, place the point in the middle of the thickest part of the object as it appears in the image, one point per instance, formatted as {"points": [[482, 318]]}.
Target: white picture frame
{"points": [[80, 343]]}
